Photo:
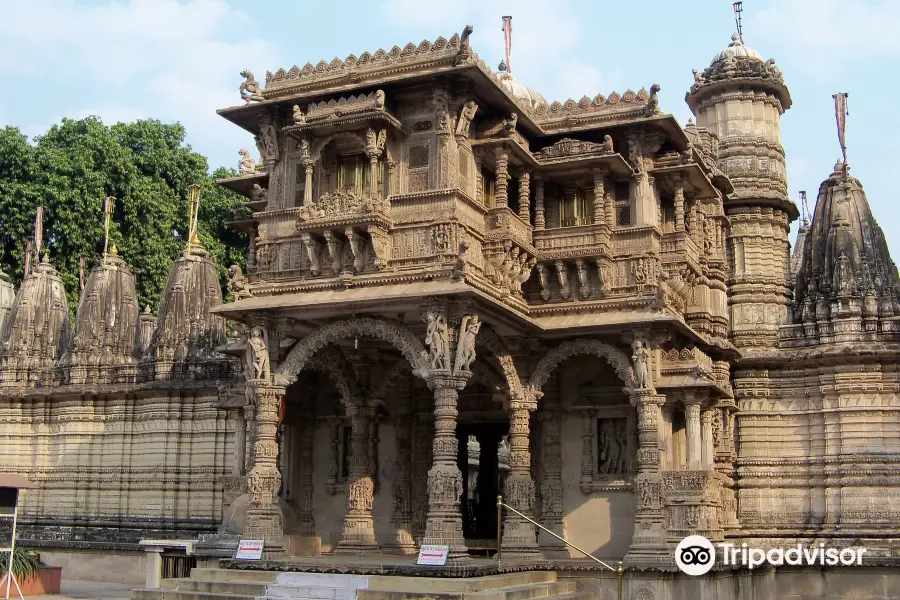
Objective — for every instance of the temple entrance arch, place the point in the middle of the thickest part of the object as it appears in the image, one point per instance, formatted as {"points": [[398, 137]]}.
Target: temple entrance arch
{"points": [[615, 357], [393, 333]]}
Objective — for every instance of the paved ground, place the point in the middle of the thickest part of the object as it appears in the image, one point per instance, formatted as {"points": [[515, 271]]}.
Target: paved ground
{"points": [[73, 589]]}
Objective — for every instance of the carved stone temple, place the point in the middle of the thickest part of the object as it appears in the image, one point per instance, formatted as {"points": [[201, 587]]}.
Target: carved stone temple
{"points": [[456, 290]]}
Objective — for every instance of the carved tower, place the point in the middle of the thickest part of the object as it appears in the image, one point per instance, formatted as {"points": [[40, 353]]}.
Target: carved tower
{"points": [[741, 98]]}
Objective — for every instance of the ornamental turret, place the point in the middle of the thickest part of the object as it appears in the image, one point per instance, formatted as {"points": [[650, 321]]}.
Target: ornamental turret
{"points": [[103, 345], [740, 98], [847, 285], [37, 329], [183, 345]]}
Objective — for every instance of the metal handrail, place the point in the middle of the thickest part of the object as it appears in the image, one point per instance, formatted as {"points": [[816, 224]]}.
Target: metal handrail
{"points": [[501, 505]]}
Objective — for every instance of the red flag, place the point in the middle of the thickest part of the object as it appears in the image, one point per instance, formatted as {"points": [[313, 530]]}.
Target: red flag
{"points": [[507, 40], [27, 258], [840, 115], [38, 231]]}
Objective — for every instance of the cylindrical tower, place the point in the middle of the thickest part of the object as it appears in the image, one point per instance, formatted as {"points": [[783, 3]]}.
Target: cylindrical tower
{"points": [[741, 98]]}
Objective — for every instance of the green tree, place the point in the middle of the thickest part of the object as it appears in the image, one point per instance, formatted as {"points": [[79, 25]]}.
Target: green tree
{"points": [[145, 165]]}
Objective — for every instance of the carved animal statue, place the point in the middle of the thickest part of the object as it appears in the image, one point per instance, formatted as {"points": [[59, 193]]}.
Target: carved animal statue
{"points": [[653, 101], [246, 166], [698, 77], [462, 258], [607, 145], [509, 125], [259, 193], [298, 116], [379, 98], [250, 90], [238, 285], [465, 49]]}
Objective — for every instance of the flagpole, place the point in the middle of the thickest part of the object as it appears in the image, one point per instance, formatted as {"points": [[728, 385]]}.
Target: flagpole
{"points": [[193, 213], [107, 211]]}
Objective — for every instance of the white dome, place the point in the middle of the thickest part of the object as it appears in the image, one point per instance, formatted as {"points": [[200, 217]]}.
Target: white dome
{"points": [[518, 91], [736, 49]]}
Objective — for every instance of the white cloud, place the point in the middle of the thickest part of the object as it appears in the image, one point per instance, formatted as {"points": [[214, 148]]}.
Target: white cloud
{"points": [[831, 34], [136, 58]]}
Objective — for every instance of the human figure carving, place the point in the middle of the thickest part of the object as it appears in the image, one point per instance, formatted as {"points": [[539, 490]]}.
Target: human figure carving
{"points": [[257, 354], [250, 90], [436, 338], [465, 348], [641, 357], [465, 118], [298, 116], [246, 166], [639, 271]]}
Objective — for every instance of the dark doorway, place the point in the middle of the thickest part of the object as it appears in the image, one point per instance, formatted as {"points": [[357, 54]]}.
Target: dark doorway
{"points": [[482, 460]]}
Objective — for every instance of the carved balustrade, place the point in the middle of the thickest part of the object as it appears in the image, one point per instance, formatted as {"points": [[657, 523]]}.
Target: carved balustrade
{"points": [[692, 500]]}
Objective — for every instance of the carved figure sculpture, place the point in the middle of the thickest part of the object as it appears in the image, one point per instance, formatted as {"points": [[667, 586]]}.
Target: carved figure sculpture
{"points": [[465, 348], [246, 166], [381, 140], [259, 193], [698, 77], [545, 281], [371, 139], [379, 99], [607, 145], [464, 48], [662, 291], [462, 258], [465, 118], [299, 117], [653, 101], [436, 339], [509, 125], [641, 358], [250, 90], [238, 285], [639, 271], [257, 354]]}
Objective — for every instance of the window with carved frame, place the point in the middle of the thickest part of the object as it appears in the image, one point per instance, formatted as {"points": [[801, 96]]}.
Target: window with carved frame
{"points": [[575, 208], [623, 203], [299, 184], [354, 174]]}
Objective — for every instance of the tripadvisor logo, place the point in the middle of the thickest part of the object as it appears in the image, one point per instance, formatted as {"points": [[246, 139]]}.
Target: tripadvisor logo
{"points": [[695, 555]]}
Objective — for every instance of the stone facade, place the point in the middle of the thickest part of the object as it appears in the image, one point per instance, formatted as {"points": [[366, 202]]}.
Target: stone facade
{"points": [[599, 300]]}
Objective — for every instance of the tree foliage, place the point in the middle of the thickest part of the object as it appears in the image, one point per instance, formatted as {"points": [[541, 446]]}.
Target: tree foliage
{"points": [[145, 165]]}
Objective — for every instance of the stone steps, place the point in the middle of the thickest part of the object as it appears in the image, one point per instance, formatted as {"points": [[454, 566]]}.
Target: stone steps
{"points": [[236, 584]]}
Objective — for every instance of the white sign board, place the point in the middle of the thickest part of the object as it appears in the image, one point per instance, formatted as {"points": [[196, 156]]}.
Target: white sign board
{"points": [[435, 556], [249, 550]]}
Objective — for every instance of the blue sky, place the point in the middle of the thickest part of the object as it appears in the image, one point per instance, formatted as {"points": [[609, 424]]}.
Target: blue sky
{"points": [[180, 60]]}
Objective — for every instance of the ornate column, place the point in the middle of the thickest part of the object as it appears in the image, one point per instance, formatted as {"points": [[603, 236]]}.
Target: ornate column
{"points": [[308, 185], [401, 517], [599, 196], [479, 184], [359, 527], [264, 519], [421, 456], [707, 450], [679, 202], [692, 431], [539, 222], [240, 444], [648, 542], [389, 180], [502, 177], [518, 534], [449, 372], [525, 196], [443, 524], [551, 485], [305, 514]]}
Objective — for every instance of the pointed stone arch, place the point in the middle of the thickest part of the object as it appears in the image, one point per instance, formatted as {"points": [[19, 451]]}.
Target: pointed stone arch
{"points": [[494, 343], [389, 331], [332, 363], [615, 357]]}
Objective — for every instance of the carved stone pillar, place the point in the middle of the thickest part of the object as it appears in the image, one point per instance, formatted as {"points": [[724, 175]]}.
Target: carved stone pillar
{"points": [[389, 180], [518, 534], [539, 222], [502, 177], [599, 197], [479, 184], [240, 444], [444, 522], [525, 196], [692, 432], [648, 542], [305, 516], [551, 484], [264, 519], [401, 517], [308, 185], [707, 451], [679, 203], [359, 527], [421, 445]]}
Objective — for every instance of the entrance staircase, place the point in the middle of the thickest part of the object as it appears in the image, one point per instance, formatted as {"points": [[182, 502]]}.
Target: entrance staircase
{"points": [[233, 584]]}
